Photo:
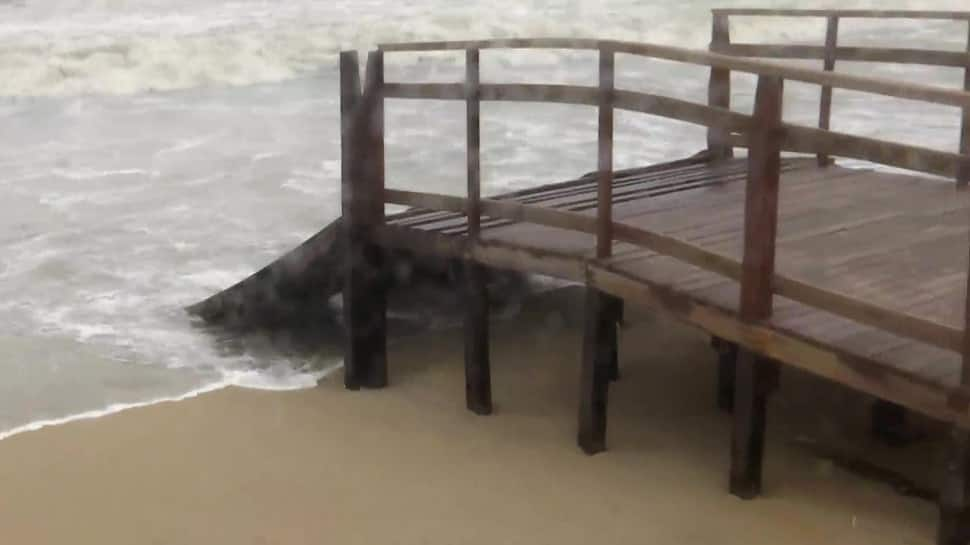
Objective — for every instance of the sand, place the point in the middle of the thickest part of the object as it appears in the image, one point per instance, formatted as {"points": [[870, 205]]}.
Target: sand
{"points": [[408, 465]]}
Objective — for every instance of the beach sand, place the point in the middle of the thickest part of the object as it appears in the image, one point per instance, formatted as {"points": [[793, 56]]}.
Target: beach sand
{"points": [[409, 465]]}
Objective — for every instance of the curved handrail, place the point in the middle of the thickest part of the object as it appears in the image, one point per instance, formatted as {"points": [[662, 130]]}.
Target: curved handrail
{"points": [[880, 86]]}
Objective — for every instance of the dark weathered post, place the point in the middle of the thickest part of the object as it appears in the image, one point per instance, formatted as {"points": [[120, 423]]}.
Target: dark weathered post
{"points": [[727, 357], [719, 88], [362, 200], [954, 526], [478, 381], [825, 102], [963, 176], [755, 376], [599, 337]]}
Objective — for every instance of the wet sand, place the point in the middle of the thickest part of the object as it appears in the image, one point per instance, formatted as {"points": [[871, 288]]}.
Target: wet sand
{"points": [[408, 465]]}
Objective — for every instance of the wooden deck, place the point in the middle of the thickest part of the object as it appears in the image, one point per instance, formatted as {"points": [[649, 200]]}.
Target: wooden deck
{"points": [[896, 240]]}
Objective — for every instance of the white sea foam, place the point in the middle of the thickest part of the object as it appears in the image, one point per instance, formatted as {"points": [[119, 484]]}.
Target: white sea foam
{"points": [[132, 47]]}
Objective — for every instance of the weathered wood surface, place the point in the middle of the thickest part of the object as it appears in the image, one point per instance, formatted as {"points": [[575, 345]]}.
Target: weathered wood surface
{"points": [[843, 236], [913, 91], [847, 13]]}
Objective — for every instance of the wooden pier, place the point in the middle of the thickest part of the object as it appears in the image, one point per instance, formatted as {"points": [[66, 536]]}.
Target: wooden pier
{"points": [[856, 275]]}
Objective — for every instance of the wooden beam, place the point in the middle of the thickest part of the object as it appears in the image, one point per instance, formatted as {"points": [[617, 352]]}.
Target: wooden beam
{"points": [[719, 89], [866, 375], [754, 375], [604, 185], [825, 100], [890, 55], [595, 372], [478, 376]]}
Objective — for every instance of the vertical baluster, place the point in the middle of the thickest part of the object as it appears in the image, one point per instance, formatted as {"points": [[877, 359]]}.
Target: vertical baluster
{"points": [[719, 89], [825, 102], [604, 232], [963, 175]]}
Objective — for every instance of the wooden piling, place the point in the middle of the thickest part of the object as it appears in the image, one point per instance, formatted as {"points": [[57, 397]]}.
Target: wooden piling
{"points": [[727, 356], [615, 309], [364, 290], [478, 375], [954, 502], [595, 372], [604, 197], [754, 375], [478, 381]]}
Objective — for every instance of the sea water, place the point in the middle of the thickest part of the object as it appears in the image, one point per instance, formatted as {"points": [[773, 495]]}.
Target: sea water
{"points": [[153, 152]]}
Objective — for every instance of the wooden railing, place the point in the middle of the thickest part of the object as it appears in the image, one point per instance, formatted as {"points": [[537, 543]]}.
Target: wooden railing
{"points": [[764, 131], [720, 84]]}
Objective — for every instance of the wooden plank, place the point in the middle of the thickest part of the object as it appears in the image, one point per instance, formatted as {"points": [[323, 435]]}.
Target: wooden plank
{"points": [[891, 55], [719, 89], [825, 100], [754, 374], [473, 142], [478, 376], [880, 86], [604, 191], [847, 13], [826, 299]]}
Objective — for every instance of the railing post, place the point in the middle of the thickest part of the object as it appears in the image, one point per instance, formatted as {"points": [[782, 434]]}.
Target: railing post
{"points": [[954, 503], [599, 337], [825, 102], [604, 212], [719, 88], [362, 202], [755, 376], [478, 381], [963, 175]]}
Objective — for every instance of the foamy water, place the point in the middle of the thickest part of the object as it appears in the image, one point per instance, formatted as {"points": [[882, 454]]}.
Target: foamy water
{"points": [[153, 152]]}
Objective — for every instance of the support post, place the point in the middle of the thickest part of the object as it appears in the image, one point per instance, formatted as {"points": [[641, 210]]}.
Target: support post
{"points": [[478, 375], [727, 357], [719, 89], [825, 102], [613, 340], [362, 203], [755, 375], [954, 526], [595, 374], [963, 174]]}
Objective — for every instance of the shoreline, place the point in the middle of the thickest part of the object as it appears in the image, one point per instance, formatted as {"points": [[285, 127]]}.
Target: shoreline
{"points": [[408, 464]]}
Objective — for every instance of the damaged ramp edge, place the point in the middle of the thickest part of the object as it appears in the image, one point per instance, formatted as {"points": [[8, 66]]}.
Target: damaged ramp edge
{"points": [[289, 288]]}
